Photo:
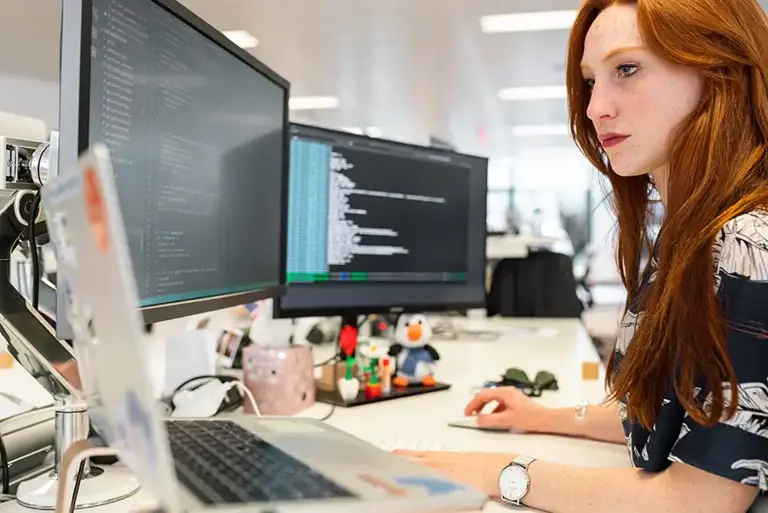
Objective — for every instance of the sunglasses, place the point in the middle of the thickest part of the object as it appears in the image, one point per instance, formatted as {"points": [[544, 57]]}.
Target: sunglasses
{"points": [[514, 377]]}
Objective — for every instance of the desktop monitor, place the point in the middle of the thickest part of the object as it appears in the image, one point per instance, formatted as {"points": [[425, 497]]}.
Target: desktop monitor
{"points": [[198, 134], [380, 226]]}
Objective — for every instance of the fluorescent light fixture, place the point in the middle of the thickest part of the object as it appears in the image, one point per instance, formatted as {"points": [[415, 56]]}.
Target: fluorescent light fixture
{"points": [[241, 38], [313, 102], [533, 93], [527, 21], [353, 130], [540, 130]]}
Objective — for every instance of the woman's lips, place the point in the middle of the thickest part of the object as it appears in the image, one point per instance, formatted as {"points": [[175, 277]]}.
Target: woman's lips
{"points": [[613, 140]]}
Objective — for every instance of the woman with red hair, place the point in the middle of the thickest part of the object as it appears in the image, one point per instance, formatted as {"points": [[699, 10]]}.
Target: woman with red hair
{"points": [[670, 95]]}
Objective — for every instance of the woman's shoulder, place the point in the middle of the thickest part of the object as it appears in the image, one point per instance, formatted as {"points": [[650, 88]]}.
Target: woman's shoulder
{"points": [[753, 225], [741, 248]]}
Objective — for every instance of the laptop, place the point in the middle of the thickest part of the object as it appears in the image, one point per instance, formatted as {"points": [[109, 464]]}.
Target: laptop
{"points": [[240, 463]]}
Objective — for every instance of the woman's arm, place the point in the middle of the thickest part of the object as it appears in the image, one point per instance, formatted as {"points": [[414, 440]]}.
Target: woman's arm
{"points": [[514, 410], [681, 488], [570, 489], [601, 422]]}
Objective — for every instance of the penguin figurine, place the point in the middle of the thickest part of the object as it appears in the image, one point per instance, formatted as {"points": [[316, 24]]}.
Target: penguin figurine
{"points": [[414, 356]]}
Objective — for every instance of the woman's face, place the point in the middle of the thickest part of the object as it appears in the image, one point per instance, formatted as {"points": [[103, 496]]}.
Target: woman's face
{"points": [[638, 99]]}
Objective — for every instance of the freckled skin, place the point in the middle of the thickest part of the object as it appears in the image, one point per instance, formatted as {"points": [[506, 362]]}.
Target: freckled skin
{"points": [[646, 98]]}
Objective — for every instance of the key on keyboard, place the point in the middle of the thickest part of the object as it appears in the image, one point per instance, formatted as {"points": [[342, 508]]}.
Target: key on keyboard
{"points": [[223, 463]]}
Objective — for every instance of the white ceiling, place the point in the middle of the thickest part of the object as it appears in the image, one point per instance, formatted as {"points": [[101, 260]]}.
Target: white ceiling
{"points": [[410, 67]]}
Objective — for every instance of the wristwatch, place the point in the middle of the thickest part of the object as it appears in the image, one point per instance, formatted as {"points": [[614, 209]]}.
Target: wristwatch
{"points": [[514, 480]]}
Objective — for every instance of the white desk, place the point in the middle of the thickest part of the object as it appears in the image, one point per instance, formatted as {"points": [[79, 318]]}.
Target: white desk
{"points": [[468, 364]]}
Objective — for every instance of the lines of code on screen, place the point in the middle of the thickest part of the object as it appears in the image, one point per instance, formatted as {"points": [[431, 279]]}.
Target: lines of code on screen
{"points": [[195, 136], [362, 214]]}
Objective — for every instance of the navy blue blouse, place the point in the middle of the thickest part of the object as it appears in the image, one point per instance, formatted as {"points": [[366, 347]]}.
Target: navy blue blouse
{"points": [[735, 448]]}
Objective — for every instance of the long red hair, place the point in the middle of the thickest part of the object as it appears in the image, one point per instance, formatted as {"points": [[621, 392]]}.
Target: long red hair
{"points": [[718, 170]]}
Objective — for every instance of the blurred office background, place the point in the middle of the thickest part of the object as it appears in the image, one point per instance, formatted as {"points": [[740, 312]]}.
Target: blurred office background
{"points": [[456, 72]]}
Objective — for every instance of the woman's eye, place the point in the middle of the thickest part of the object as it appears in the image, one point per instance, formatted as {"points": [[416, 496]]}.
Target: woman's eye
{"points": [[590, 83], [626, 70]]}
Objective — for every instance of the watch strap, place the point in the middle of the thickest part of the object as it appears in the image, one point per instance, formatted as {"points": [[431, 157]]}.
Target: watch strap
{"points": [[523, 461]]}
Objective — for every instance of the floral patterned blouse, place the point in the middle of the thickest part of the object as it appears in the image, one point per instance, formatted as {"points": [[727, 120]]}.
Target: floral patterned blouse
{"points": [[735, 448]]}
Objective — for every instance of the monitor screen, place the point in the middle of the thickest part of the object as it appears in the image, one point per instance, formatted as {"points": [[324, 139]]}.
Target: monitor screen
{"points": [[197, 131], [375, 225]]}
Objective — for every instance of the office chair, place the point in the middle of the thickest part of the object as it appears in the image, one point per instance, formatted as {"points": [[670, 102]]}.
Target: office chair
{"points": [[541, 285]]}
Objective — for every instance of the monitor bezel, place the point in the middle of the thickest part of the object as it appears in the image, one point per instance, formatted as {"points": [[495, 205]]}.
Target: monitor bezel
{"points": [[282, 312], [80, 13]]}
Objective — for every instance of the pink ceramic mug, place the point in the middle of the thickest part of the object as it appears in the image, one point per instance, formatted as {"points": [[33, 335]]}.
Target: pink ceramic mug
{"points": [[281, 379]]}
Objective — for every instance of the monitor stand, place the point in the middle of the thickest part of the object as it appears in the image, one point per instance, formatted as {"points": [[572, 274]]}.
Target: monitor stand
{"points": [[334, 398], [31, 340]]}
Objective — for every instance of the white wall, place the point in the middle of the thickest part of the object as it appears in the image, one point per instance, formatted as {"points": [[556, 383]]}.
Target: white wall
{"points": [[30, 97]]}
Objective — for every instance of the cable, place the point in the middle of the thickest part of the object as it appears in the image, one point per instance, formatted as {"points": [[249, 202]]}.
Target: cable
{"points": [[220, 377], [40, 161], [35, 208], [76, 490], [6, 466], [332, 359], [334, 371], [33, 251], [248, 394]]}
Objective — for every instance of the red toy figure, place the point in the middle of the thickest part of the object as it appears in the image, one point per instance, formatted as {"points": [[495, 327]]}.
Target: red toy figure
{"points": [[348, 341]]}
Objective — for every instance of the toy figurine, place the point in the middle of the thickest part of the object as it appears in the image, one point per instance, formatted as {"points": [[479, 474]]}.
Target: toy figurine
{"points": [[366, 351], [370, 355], [414, 356], [347, 342], [349, 386], [373, 386]]}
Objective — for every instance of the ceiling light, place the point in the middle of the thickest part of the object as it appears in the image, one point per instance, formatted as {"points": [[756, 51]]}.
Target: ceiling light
{"points": [[353, 130], [241, 38], [540, 130], [533, 93], [527, 21], [313, 102], [373, 131]]}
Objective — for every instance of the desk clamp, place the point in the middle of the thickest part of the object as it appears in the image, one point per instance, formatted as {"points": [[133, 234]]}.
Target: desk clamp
{"points": [[99, 485]]}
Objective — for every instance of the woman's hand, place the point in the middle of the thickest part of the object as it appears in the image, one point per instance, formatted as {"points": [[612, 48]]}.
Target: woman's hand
{"points": [[514, 410], [479, 470]]}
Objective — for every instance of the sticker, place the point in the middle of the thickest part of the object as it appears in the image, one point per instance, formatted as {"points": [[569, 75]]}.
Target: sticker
{"points": [[228, 344], [6, 360], [381, 484], [96, 210], [65, 253], [134, 429], [433, 486], [291, 427]]}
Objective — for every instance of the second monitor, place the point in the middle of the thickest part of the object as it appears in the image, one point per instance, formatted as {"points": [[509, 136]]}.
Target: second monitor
{"points": [[377, 226]]}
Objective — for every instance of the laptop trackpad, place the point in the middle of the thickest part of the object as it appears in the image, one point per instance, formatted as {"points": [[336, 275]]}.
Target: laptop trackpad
{"points": [[332, 448]]}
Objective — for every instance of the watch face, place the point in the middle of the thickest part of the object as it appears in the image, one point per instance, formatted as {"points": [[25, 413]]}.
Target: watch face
{"points": [[513, 483]]}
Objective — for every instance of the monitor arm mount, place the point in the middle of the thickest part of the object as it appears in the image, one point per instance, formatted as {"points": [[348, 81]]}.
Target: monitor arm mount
{"points": [[31, 338], [32, 342]]}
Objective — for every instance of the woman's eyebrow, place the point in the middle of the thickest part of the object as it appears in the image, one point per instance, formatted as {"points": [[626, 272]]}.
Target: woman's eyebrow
{"points": [[613, 53]]}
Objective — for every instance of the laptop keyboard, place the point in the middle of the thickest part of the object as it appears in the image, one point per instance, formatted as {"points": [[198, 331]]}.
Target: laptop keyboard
{"points": [[223, 463]]}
